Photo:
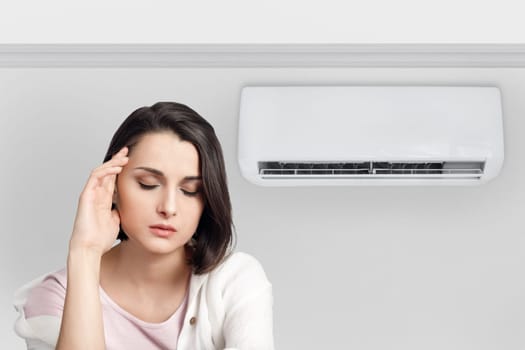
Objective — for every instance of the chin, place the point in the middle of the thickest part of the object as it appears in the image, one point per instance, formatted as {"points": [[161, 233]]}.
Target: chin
{"points": [[155, 245], [162, 247]]}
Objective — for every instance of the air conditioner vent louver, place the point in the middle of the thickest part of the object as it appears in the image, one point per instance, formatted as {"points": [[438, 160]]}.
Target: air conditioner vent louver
{"points": [[370, 170]]}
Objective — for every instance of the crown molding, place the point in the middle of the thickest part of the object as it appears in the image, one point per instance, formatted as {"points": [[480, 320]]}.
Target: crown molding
{"points": [[261, 55]]}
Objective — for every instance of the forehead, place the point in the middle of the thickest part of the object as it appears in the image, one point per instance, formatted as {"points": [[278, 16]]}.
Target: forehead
{"points": [[166, 152]]}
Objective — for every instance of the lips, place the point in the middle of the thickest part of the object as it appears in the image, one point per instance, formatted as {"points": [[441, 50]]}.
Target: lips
{"points": [[164, 227], [163, 231]]}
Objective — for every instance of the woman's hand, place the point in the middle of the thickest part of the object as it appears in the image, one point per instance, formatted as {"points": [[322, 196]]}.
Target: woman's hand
{"points": [[96, 226]]}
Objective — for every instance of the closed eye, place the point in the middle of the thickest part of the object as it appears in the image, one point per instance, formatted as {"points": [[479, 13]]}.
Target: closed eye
{"points": [[147, 187], [190, 194]]}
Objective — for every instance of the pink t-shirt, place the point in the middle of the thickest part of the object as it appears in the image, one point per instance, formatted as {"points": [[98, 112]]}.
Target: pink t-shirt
{"points": [[122, 330]]}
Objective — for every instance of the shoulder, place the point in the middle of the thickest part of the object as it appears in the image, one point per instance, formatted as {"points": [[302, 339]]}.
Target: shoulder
{"points": [[239, 261], [39, 304], [240, 276], [239, 298], [240, 265], [52, 282], [42, 296]]}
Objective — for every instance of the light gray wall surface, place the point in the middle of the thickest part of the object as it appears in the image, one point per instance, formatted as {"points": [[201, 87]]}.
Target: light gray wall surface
{"points": [[364, 268]]}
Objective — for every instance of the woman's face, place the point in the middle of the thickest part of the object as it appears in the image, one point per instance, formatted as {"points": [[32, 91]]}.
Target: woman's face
{"points": [[160, 185]]}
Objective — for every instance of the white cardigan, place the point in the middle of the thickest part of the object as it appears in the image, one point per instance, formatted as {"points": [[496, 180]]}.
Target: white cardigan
{"points": [[229, 308]]}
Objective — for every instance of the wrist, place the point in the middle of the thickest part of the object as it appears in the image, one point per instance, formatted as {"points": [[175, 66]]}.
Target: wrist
{"points": [[89, 255], [77, 246]]}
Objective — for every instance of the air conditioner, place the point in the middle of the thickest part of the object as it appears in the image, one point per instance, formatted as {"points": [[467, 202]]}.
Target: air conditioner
{"points": [[370, 135]]}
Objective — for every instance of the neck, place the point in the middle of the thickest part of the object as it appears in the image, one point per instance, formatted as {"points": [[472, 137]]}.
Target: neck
{"points": [[145, 270]]}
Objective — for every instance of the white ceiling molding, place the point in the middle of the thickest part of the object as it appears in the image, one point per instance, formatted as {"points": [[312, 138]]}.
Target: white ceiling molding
{"points": [[262, 55]]}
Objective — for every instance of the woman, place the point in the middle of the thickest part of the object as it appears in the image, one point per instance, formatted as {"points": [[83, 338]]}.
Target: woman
{"points": [[172, 281]]}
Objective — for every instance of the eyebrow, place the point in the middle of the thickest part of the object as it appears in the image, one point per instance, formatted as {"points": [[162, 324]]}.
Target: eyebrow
{"points": [[160, 173]]}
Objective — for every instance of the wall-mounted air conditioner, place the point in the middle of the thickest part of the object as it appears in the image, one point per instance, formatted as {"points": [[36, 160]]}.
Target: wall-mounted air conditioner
{"points": [[370, 135]]}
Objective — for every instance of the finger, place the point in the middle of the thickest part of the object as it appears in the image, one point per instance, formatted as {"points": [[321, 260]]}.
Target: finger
{"points": [[109, 182], [119, 161], [119, 158], [98, 175], [122, 152]]}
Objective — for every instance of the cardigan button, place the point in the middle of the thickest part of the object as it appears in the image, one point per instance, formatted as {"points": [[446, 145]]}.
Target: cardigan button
{"points": [[193, 320]]}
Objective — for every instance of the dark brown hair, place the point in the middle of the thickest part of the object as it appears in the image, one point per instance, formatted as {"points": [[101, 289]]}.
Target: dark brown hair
{"points": [[214, 236]]}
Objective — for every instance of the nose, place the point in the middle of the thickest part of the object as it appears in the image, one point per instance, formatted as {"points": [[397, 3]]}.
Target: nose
{"points": [[168, 204]]}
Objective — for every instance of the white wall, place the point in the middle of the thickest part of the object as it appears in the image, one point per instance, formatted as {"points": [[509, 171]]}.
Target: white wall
{"points": [[352, 267], [269, 21]]}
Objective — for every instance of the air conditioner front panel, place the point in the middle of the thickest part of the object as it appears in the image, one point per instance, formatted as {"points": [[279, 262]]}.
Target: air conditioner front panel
{"points": [[369, 124]]}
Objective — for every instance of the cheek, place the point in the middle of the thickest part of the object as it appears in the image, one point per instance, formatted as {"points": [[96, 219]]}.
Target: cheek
{"points": [[130, 200], [194, 213], [133, 209]]}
